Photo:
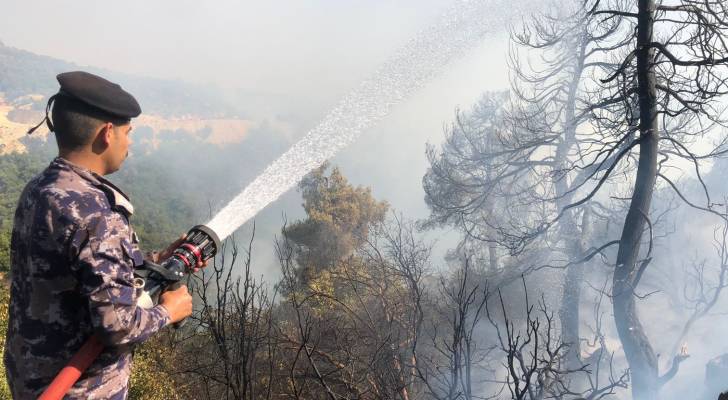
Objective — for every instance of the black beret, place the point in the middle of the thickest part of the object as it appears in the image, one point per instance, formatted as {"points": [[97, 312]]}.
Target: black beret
{"points": [[99, 93]]}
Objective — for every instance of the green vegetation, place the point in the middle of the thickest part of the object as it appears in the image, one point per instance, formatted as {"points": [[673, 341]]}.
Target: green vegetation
{"points": [[4, 304], [150, 380], [339, 218], [162, 214], [15, 172]]}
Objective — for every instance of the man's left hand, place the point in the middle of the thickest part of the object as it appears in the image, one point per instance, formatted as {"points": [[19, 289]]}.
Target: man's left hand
{"points": [[159, 256]]}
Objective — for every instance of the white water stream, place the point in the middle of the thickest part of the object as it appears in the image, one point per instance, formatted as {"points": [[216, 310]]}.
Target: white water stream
{"points": [[420, 60]]}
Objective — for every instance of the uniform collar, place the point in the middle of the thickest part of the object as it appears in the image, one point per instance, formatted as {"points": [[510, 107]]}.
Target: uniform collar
{"points": [[85, 173], [116, 196]]}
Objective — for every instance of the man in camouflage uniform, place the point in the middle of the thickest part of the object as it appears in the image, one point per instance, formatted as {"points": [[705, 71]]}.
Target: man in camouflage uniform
{"points": [[74, 252]]}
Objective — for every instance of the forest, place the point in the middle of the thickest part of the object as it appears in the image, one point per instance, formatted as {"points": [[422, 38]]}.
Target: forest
{"points": [[589, 204]]}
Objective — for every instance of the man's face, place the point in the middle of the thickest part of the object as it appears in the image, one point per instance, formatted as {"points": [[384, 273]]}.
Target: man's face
{"points": [[119, 146]]}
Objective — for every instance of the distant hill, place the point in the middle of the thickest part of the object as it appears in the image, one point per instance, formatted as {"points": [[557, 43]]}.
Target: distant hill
{"points": [[23, 73], [170, 108]]}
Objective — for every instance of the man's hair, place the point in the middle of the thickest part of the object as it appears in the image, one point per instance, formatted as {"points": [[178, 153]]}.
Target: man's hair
{"points": [[75, 122]]}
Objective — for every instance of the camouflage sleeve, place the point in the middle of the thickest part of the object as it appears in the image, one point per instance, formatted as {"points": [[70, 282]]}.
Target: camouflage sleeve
{"points": [[106, 270]]}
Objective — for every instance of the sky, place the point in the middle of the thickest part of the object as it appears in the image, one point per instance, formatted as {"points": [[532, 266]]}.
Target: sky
{"points": [[308, 51], [300, 56], [311, 49]]}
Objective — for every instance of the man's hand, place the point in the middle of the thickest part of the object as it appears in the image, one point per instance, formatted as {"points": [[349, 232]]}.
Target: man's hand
{"points": [[178, 303], [159, 257], [166, 253]]}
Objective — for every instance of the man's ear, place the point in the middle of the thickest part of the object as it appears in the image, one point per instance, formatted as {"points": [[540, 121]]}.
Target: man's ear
{"points": [[103, 138], [105, 133]]}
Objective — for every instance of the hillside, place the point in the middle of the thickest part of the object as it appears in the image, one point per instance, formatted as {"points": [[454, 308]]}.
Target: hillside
{"points": [[27, 79], [11, 131], [23, 73], [16, 119]]}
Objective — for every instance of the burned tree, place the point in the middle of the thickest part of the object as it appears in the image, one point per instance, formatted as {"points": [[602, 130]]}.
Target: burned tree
{"points": [[452, 365], [650, 100], [233, 325], [698, 293], [552, 103], [535, 357], [506, 171], [671, 76]]}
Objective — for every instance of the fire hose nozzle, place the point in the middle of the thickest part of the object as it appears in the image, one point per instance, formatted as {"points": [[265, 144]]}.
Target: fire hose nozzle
{"points": [[200, 245]]}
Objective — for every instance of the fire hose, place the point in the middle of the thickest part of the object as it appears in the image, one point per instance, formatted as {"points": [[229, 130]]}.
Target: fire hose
{"points": [[200, 244]]}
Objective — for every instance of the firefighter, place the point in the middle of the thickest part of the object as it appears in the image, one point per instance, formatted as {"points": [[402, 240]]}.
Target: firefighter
{"points": [[73, 251]]}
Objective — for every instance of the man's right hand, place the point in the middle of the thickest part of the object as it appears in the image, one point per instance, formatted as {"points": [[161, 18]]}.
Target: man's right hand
{"points": [[178, 303]]}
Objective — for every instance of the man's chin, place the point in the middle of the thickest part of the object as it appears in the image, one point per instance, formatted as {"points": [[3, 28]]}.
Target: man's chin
{"points": [[114, 169]]}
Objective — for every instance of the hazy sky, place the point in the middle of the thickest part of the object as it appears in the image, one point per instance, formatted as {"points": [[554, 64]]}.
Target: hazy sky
{"points": [[304, 54], [273, 46], [311, 50]]}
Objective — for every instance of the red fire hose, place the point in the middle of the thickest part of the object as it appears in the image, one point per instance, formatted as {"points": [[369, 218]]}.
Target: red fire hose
{"points": [[71, 372]]}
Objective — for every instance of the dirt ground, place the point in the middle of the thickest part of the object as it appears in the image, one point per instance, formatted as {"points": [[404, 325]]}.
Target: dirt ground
{"points": [[216, 131]]}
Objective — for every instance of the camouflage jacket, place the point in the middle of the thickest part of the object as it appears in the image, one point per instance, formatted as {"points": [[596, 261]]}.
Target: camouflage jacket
{"points": [[73, 253]]}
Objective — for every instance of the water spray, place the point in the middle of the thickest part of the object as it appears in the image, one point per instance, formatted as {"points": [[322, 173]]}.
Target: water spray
{"points": [[458, 30]]}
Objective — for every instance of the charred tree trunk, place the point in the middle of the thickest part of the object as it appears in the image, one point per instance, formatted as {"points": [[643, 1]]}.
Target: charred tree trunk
{"points": [[570, 235], [637, 348], [492, 257], [569, 312]]}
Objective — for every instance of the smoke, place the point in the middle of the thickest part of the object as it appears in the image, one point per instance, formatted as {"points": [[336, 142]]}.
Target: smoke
{"points": [[413, 66]]}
